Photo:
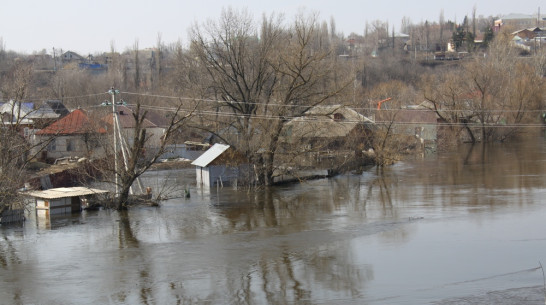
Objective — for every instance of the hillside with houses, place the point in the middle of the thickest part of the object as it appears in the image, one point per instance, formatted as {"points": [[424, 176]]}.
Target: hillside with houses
{"points": [[289, 101]]}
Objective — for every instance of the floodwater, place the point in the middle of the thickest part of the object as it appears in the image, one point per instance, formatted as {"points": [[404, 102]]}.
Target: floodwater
{"points": [[466, 227]]}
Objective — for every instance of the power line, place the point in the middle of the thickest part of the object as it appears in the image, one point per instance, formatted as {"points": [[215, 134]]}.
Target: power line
{"points": [[318, 118], [373, 109], [324, 119]]}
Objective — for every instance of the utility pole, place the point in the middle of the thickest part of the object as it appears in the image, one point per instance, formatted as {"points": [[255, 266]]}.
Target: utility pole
{"points": [[113, 92], [54, 61]]}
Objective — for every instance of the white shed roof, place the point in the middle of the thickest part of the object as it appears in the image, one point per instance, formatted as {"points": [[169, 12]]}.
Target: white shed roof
{"points": [[63, 192], [210, 155]]}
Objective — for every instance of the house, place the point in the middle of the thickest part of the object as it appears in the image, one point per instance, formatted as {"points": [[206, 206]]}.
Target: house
{"points": [[17, 115], [333, 127], [127, 123], [518, 21], [74, 135], [70, 56], [413, 121], [526, 34], [16, 112], [48, 112], [221, 166]]}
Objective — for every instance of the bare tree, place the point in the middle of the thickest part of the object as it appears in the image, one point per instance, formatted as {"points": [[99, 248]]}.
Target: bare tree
{"points": [[15, 149], [137, 76], [492, 97], [156, 64], [441, 21], [389, 141], [263, 80], [137, 154], [17, 81]]}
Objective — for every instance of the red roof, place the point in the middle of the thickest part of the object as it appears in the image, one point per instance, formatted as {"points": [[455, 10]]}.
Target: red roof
{"points": [[77, 122]]}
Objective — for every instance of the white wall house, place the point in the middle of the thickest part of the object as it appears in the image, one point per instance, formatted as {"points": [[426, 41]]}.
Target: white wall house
{"points": [[74, 135]]}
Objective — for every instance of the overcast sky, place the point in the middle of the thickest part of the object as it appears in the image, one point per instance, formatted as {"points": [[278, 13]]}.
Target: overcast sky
{"points": [[89, 27]]}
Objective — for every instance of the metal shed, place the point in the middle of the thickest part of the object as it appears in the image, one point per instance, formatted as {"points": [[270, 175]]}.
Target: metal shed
{"points": [[211, 170]]}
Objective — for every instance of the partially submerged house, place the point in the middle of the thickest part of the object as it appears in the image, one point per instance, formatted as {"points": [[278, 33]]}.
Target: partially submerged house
{"points": [[413, 121], [221, 166], [328, 128]]}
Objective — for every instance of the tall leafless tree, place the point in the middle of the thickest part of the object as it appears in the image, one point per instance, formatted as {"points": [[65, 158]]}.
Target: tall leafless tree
{"points": [[492, 97], [264, 76]]}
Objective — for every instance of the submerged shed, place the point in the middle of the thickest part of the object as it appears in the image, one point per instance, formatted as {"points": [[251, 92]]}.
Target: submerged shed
{"points": [[221, 165], [61, 200]]}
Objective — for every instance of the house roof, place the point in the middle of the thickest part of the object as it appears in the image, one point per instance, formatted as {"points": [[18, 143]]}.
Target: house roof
{"points": [[330, 111], [77, 122], [71, 55], [158, 118], [210, 155], [16, 107], [20, 111], [49, 110], [64, 192], [518, 16], [58, 107], [324, 122], [126, 119]]}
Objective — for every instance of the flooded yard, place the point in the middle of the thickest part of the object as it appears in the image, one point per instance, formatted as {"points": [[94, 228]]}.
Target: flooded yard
{"points": [[465, 227]]}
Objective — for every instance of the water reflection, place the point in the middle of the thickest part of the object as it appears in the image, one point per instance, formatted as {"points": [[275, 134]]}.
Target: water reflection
{"points": [[406, 233]]}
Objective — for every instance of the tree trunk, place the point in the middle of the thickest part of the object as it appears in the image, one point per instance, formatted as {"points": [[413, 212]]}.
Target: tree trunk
{"points": [[268, 168], [125, 189], [122, 199], [470, 133]]}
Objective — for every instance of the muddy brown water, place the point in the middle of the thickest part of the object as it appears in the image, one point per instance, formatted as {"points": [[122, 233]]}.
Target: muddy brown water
{"points": [[465, 227]]}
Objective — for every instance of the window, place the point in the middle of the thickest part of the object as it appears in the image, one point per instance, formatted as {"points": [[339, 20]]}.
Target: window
{"points": [[52, 146], [70, 145]]}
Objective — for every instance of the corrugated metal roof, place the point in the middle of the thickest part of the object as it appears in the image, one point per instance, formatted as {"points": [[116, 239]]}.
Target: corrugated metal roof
{"points": [[210, 155], [44, 112], [63, 192], [15, 108]]}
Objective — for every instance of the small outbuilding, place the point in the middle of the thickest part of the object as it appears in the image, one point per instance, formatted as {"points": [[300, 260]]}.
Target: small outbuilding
{"points": [[221, 165], [62, 200]]}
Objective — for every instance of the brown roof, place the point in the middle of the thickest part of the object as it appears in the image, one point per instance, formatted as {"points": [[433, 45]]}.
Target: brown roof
{"points": [[77, 122], [324, 122], [126, 119]]}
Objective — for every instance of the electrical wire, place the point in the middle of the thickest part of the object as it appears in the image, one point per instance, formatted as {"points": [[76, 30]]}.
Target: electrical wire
{"points": [[319, 118]]}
